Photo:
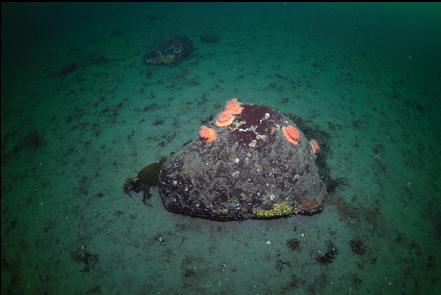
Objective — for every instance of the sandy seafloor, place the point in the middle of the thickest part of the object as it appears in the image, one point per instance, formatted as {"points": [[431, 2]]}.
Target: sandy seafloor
{"points": [[366, 74]]}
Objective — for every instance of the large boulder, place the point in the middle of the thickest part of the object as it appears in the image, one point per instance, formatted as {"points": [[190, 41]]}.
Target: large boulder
{"points": [[169, 51], [250, 162]]}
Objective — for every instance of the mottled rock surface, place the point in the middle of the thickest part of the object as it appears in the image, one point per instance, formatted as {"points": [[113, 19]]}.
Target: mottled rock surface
{"points": [[250, 171], [169, 51]]}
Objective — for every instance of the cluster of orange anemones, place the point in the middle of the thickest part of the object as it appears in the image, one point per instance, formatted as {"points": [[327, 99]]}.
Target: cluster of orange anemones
{"points": [[227, 117], [315, 147], [233, 107], [224, 119], [207, 134], [291, 133]]}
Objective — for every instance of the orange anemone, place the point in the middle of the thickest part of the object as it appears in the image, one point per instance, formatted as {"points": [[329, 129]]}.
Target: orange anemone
{"points": [[233, 107], [224, 119], [207, 134], [291, 133], [315, 147]]}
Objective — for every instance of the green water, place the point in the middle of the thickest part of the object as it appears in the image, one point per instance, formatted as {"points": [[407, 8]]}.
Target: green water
{"points": [[368, 74]]}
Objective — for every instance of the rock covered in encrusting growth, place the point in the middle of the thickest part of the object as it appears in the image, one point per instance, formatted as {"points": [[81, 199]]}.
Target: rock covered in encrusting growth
{"points": [[169, 51], [252, 162]]}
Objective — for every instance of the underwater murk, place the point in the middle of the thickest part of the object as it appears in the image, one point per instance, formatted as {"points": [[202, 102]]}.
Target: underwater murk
{"points": [[221, 148]]}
